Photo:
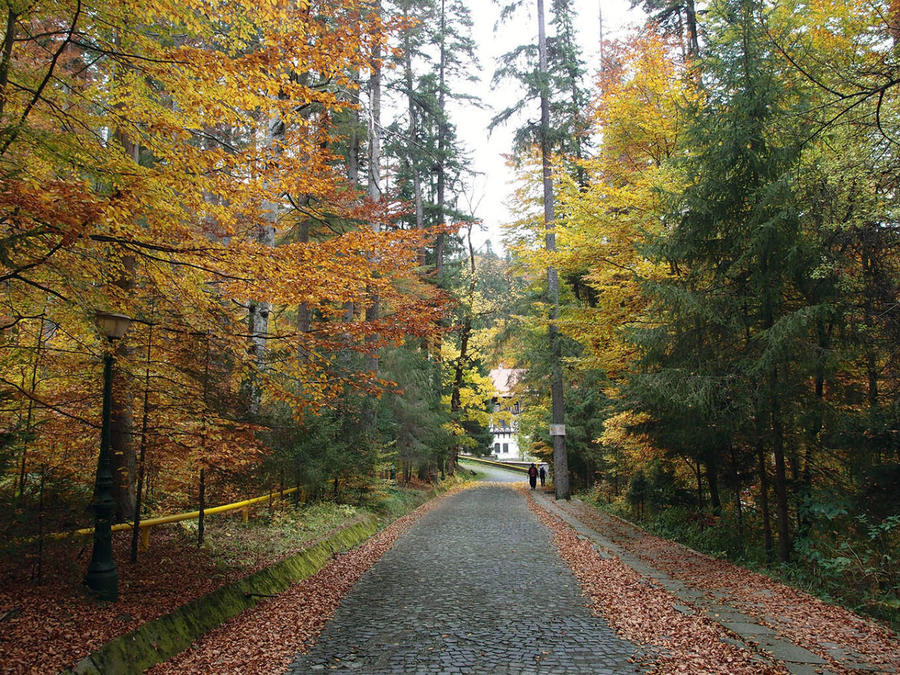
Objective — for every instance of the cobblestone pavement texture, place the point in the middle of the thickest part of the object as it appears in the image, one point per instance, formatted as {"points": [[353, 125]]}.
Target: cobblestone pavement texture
{"points": [[474, 587]]}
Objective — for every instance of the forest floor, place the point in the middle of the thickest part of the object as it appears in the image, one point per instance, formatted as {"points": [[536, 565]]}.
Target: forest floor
{"points": [[687, 612], [698, 612], [50, 624]]}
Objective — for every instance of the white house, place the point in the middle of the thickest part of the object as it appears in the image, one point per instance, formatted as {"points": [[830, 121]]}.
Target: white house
{"points": [[504, 421]]}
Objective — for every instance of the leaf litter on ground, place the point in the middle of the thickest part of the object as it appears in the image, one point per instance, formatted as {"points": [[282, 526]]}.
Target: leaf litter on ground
{"points": [[805, 620]]}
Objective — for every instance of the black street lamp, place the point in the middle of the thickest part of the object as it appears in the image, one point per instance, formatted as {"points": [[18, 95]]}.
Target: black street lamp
{"points": [[102, 576]]}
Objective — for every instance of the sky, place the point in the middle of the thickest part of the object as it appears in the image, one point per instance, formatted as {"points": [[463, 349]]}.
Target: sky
{"points": [[493, 183]]}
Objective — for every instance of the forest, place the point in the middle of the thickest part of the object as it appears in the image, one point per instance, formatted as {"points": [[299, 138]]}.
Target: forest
{"points": [[276, 199]]}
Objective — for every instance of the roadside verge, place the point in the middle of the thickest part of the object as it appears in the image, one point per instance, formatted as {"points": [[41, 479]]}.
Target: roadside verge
{"points": [[162, 638]]}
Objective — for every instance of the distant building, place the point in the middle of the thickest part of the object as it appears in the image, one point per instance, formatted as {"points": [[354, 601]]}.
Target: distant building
{"points": [[504, 420]]}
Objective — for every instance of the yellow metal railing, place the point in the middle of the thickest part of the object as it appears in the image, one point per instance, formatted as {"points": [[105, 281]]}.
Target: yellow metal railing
{"points": [[146, 525], [512, 467]]}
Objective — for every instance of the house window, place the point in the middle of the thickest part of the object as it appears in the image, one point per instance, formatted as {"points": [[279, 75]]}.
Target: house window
{"points": [[497, 448], [505, 448], [516, 408]]}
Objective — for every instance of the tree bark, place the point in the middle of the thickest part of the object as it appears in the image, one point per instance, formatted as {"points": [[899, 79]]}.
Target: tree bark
{"points": [[373, 190], [413, 141], [764, 499], [466, 333], [712, 480], [442, 145], [258, 310], [781, 499], [693, 38], [560, 460]]}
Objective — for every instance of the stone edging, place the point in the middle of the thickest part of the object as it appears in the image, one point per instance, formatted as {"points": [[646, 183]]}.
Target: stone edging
{"points": [[164, 637]]}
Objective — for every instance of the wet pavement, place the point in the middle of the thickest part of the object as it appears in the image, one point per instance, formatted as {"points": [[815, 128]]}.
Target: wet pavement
{"points": [[475, 586]]}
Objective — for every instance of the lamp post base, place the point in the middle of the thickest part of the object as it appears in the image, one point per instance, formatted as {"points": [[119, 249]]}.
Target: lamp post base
{"points": [[103, 581]]}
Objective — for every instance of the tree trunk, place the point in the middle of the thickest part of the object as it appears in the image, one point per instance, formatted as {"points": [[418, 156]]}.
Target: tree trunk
{"points": [[30, 414], [258, 310], [764, 499], [304, 315], [700, 501], [413, 142], [464, 337], [442, 145], [560, 460], [738, 507], [136, 529], [201, 519], [693, 38], [123, 457], [712, 479], [781, 499], [373, 190]]}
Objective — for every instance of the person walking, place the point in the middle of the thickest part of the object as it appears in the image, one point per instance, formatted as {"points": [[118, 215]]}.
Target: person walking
{"points": [[532, 475], [543, 475]]}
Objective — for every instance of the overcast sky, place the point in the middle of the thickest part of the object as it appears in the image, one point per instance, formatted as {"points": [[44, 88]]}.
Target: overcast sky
{"points": [[493, 184]]}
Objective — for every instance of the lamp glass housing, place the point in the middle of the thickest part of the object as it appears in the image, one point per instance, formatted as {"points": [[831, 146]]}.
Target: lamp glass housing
{"points": [[112, 325]]}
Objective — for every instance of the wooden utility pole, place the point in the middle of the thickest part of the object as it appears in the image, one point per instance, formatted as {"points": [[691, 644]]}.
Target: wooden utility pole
{"points": [[557, 426]]}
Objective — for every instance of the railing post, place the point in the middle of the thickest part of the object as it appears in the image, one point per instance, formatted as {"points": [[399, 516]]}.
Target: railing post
{"points": [[245, 514], [145, 539]]}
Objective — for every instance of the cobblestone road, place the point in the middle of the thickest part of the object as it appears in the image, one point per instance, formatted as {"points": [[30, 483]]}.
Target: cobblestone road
{"points": [[474, 587]]}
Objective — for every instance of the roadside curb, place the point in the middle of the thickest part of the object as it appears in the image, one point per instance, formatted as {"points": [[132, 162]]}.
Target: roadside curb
{"points": [[162, 638]]}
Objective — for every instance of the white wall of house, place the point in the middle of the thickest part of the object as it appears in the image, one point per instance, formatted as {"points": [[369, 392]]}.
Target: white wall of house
{"points": [[505, 427]]}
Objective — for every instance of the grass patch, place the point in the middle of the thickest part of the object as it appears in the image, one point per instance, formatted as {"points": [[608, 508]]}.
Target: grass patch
{"points": [[236, 545]]}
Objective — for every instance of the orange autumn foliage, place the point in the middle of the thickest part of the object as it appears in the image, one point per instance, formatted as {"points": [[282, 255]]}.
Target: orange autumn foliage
{"points": [[135, 176]]}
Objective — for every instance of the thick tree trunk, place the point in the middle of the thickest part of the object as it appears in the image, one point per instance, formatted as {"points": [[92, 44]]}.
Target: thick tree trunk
{"points": [[560, 460], [123, 458], [258, 310], [142, 455], [372, 311]]}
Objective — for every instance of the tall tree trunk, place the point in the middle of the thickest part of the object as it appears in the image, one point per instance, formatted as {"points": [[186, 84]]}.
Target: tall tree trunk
{"points": [[601, 46], [712, 480], [413, 142], [874, 449], [560, 460], [738, 506], [764, 498], [374, 195], [304, 315], [142, 455], [30, 414], [700, 501], [442, 144], [123, 457], [465, 334], [258, 310], [781, 499], [693, 38]]}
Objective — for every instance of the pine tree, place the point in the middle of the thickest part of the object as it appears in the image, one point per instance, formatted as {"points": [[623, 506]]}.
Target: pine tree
{"points": [[733, 330]]}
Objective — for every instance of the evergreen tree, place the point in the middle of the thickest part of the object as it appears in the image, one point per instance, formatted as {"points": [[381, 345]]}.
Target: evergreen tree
{"points": [[733, 330]]}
